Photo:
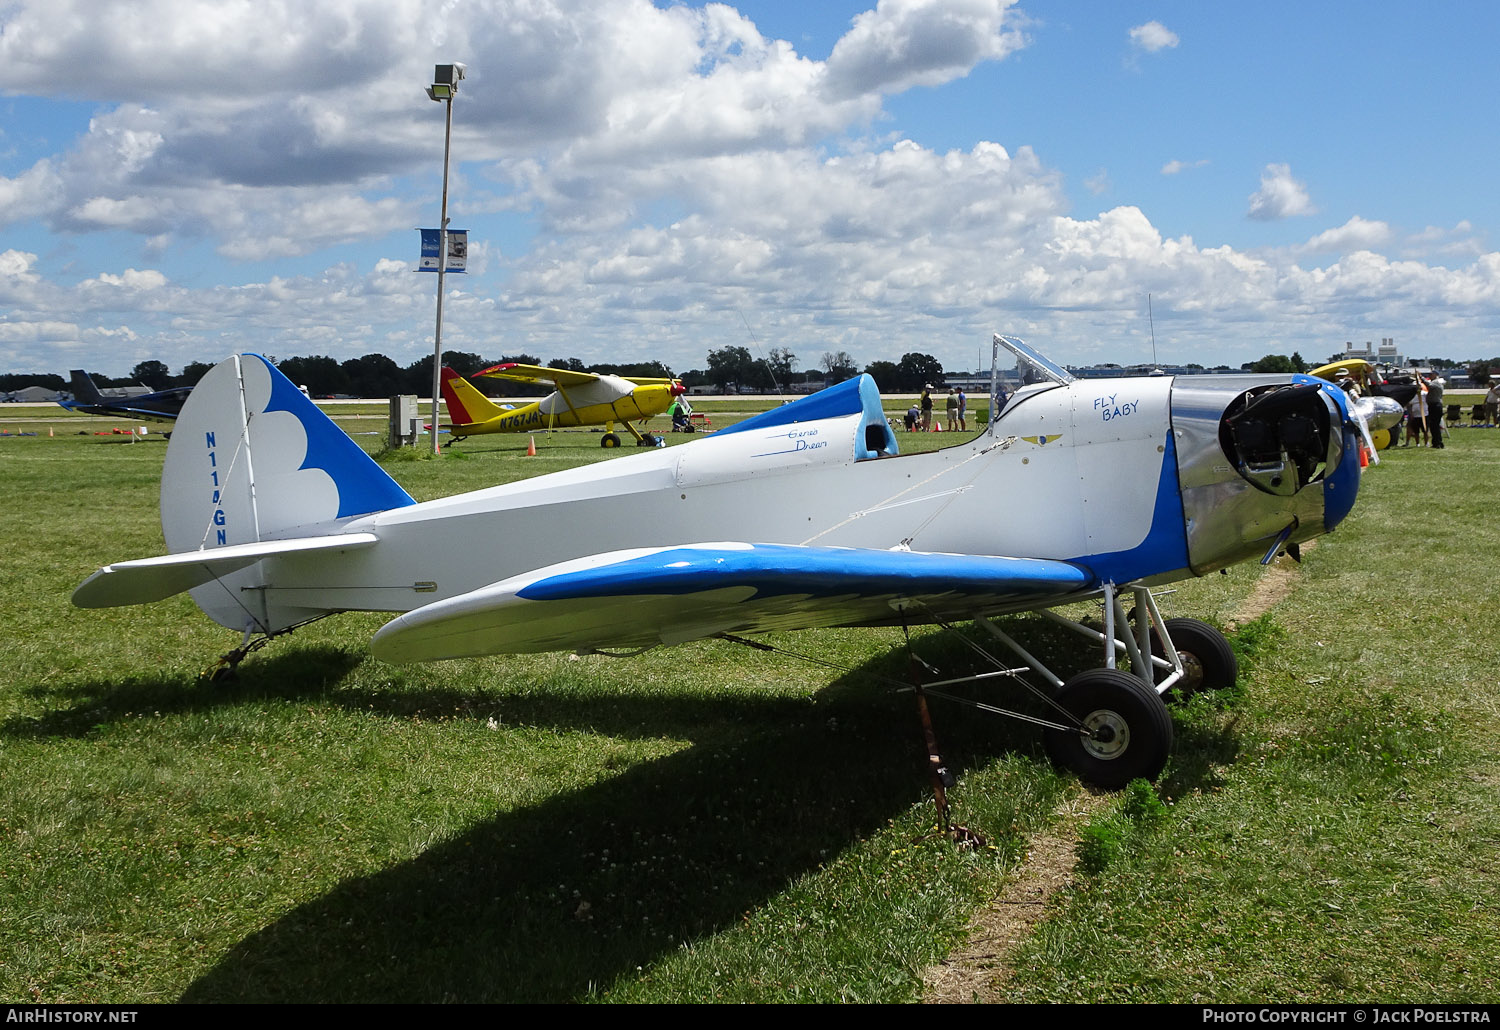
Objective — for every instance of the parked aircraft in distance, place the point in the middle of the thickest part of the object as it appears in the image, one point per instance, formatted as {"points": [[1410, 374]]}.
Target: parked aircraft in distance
{"points": [[162, 405], [803, 516], [579, 399], [1381, 403]]}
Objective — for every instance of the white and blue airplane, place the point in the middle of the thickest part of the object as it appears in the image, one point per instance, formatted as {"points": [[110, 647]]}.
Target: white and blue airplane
{"points": [[804, 516]]}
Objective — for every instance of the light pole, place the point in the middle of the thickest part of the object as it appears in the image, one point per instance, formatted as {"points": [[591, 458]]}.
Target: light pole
{"points": [[445, 80]]}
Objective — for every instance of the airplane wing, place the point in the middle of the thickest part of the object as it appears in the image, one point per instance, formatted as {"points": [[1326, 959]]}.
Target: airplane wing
{"points": [[162, 414], [669, 595], [649, 381], [535, 374], [1356, 367]]}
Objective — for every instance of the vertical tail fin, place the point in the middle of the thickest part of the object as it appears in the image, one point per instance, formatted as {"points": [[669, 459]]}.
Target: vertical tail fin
{"points": [[466, 405], [84, 390], [253, 459]]}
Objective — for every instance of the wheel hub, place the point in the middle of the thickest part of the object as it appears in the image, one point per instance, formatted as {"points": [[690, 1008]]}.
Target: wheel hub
{"points": [[1192, 670], [1108, 734]]}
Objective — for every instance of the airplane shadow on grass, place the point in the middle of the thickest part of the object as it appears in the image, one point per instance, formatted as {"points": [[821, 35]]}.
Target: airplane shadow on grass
{"points": [[82, 707], [551, 902], [542, 903]]}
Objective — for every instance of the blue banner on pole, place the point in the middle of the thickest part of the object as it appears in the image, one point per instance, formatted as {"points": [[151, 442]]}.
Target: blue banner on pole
{"points": [[458, 250]]}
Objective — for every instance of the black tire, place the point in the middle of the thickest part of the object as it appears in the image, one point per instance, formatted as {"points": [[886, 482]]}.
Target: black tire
{"points": [[609, 440], [1208, 662], [646, 440], [1131, 731]]}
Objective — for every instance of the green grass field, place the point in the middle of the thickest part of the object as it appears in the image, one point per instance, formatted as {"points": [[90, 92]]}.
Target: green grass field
{"points": [[708, 823]]}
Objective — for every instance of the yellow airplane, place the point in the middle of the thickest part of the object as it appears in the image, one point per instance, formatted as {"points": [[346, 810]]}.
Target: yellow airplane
{"points": [[1381, 403], [578, 399]]}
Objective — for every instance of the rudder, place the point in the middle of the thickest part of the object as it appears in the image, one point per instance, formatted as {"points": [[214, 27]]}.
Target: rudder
{"points": [[84, 390], [466, 405]]}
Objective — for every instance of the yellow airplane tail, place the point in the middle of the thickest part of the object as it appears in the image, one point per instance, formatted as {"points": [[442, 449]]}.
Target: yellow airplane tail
{"points": [[466, 405]]}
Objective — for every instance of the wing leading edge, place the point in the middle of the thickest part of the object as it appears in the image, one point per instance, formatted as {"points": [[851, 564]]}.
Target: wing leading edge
{"points": [[534, 374], [648, 596]]}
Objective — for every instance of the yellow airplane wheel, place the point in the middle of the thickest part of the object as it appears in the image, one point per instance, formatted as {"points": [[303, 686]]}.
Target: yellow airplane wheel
{"points": [[1382, 438], [609, 440]]}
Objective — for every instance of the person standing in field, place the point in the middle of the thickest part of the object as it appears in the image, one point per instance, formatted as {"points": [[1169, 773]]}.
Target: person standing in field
{"points": [[1416, 422], [963, 410], [1435, 411]]}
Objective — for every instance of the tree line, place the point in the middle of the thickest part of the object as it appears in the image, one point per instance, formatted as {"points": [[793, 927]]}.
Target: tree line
{"points": [[376, 375], [728, 369]]}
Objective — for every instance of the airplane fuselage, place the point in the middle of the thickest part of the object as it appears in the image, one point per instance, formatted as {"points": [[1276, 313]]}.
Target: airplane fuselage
{"points": [[1094, 472], [610, 400]]}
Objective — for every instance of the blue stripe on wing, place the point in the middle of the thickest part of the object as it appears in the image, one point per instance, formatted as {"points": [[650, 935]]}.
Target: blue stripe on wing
{"points": [[776, 569]]}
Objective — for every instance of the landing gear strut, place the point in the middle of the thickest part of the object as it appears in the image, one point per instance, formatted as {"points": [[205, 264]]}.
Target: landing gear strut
{"points": [[1107, 725], [1208, 662]]}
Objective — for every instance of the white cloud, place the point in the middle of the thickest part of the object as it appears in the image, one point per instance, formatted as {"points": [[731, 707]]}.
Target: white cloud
{"points": [[134, 279], [905, 43], [223, 122], [28, 193], [1280, 196], [19, 333], [640, 180], [1175, 167], [1434, 241], [17, 265], [220, 50], [1153, 37], [1356, 234]]}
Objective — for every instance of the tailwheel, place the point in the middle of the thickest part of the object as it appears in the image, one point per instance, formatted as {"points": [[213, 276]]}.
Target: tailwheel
{"points": [[1208, 662], [1126, 732], [609, 440]]}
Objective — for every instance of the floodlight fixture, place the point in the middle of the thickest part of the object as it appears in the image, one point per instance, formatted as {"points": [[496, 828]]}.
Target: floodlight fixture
{"points": [[445, 80]]}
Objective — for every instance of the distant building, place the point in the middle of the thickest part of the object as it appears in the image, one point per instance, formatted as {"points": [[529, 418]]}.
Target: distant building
{"points": [[1386, 354], [34, 395]]}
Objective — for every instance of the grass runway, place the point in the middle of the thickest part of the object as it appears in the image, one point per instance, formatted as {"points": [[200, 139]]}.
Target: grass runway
{"points": [[705, 823]]}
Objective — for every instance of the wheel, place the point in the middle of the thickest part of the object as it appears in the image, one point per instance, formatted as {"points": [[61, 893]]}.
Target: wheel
{"points": [[647, 440], [1130, 732], [609, 440], [1208, 662]]}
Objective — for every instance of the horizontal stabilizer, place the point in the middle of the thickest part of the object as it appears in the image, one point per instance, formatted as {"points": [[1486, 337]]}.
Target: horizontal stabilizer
{"points": [[649, 596], [153, 579]]}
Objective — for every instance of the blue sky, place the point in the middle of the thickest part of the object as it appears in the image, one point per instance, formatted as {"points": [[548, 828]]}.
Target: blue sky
{"points": [[645, 181]]}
